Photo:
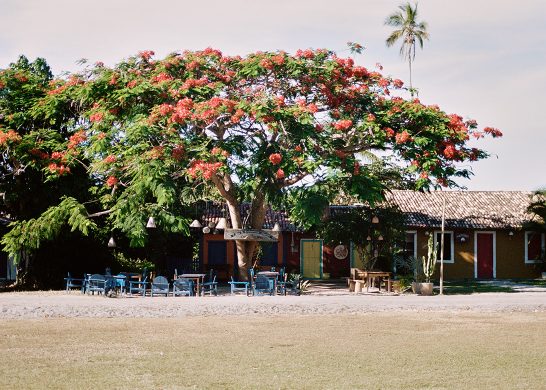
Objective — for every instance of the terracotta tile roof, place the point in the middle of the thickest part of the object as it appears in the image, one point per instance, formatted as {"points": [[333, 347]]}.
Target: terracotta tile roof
{"points": [[215, 211], [464, 209]]}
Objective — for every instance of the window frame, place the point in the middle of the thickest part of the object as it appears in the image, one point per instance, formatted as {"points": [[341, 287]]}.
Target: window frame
{"points": [[414, 232], [526, 246], [452, 241]]}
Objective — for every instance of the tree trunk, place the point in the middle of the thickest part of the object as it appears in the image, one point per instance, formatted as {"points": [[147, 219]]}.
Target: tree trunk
{"points": [[24, 278], [246, 249]]}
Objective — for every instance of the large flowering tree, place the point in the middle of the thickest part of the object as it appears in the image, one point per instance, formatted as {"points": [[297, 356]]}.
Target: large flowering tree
{"points": [[270, 127]]}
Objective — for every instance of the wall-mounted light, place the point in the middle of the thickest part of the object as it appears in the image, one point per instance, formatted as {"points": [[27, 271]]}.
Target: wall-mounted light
{"points": [[375, 219], [510, 233]]}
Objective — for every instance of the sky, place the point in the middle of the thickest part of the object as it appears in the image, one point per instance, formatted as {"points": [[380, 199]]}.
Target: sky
{"points": [[485, 59]]}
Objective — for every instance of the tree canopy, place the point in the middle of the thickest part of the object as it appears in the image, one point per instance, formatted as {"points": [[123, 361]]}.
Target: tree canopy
{"points": [[270, 127]]}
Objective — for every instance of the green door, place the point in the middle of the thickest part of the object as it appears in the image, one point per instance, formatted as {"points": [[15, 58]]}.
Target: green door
{"points": [[311, 259]]}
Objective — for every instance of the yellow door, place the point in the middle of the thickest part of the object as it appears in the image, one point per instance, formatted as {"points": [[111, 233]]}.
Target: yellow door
{"points": [[311, 259]]}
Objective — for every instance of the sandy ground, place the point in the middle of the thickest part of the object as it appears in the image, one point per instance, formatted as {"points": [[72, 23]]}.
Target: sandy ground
{"points": [[59, 304]]}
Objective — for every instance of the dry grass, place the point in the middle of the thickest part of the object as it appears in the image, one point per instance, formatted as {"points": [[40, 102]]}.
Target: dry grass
{"points": [[378, 350]]}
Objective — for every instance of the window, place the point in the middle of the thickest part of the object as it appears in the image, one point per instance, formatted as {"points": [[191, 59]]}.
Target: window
{"points": [[449, 253], [410, 245], [534, 247]]}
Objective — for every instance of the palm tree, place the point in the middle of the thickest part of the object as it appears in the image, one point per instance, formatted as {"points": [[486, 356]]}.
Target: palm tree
{"points": [[408, 30]]}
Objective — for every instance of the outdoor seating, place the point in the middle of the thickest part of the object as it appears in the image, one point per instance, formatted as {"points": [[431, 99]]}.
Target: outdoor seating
{"points": [[239, 286], [159, 285], [245, 286], [182, 287], [96, 283], [263, 285], [138, 286], [74, 283], [210, 285]]}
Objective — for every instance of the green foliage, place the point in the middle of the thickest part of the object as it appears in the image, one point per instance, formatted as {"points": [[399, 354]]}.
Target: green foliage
{"points": [[130, 264], [28, 235]]}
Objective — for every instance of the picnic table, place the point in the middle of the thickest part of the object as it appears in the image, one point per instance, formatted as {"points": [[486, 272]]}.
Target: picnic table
{"points": [[272, 275], [197, 278]]}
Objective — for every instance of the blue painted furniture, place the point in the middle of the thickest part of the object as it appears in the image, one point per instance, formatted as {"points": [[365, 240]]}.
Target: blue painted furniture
{"points": [[245, 286], [96, 283], [210, 285], [74, 283], [263, 285], [183, 287], [138, 286], [160, 285]]}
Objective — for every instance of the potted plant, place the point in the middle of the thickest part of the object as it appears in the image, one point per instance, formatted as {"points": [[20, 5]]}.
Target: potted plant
{"points": [[429, 266]]}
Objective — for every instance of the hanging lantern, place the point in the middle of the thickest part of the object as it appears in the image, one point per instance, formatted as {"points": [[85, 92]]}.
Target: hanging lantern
{"points": [[196, 224], [112, 242], [151, 223], [222, 224]]}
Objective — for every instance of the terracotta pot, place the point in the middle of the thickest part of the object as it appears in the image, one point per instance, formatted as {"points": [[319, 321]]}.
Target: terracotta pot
{"points": [[426, 288], [416, 287]]}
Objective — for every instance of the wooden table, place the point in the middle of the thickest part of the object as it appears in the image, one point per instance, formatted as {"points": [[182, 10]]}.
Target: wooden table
{"points": [[198, 278], [372, 275]]}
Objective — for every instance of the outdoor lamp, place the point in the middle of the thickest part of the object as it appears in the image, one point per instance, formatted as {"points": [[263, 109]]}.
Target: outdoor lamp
{"points": [[380, 238], [196, 224], [206, 230], [221, 224], [111, 242], [369, 238], [375, 219], [510, 233], [151, 223], [276, 227]]}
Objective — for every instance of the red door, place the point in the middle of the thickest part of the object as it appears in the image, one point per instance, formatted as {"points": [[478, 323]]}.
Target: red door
{"points": [[484, 253]]}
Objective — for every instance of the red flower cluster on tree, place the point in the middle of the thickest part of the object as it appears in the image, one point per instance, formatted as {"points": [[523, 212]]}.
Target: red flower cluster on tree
{"points": [[494, 132], [59, 169], [279, 174], [402, 137], [178, 152], [220, 152], [112, 181], [76, 139], [161, 78], [146, 54], [96, 117], [275, 158], [450, 151], [206, 169], [110, 159], [343, 124], [9, 136]]}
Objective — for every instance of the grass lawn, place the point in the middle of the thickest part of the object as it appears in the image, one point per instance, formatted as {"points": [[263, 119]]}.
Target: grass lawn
{"points": [[377, 350]]}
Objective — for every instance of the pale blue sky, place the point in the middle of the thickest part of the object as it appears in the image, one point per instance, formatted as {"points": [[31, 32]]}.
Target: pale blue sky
{"points": [[485, 60]]}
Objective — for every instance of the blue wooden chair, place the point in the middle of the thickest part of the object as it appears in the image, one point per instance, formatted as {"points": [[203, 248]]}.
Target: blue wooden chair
{"points": [[210, 285], [183, 287], [160, 285], [96, 283], [139, 286], [74, 283], [263, 285], [245, 286]]}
